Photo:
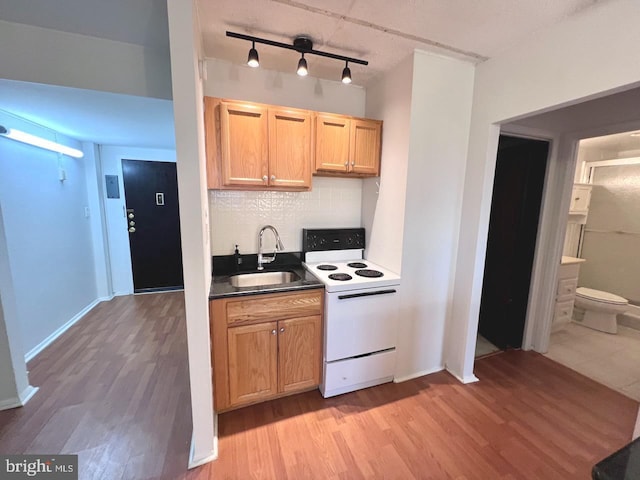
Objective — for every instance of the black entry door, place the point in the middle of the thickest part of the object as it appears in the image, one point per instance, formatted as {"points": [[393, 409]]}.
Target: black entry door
{"points": [[513, 226], [153, 220]]}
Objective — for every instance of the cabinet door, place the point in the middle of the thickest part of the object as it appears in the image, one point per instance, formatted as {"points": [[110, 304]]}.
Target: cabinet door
{"points": [[244, 144], [253, 362], [580, 199], [332, 143], [289, 148], [300, 341], [364, 153]]}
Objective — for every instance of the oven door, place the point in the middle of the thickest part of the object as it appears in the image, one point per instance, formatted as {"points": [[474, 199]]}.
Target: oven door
{"points": [[360, 322]]}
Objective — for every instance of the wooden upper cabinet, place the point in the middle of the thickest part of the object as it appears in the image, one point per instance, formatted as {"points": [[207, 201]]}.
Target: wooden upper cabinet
{"points": [[364, 154], [347, 146], [244, 144], [252, 146], [332, 143], [289, 148]]}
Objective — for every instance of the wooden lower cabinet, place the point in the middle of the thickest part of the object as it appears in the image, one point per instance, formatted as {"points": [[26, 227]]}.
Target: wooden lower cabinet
{"points": [[257, 358], [253, 362]]}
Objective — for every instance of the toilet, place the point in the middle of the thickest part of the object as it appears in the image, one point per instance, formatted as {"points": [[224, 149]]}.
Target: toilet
{"points": [[600, 309]]}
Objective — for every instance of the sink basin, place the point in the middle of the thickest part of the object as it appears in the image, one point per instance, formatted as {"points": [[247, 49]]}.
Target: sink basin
{"points": [[262, 278]]}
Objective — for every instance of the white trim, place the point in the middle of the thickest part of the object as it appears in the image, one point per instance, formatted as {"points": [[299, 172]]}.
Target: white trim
{"points": [[466, 379], [15, 402], [612, 162], [30, 355], [193, 463], [28, 394], [418, 374]]}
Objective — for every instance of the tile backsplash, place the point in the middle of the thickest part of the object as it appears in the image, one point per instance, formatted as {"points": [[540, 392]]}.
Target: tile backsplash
{"points": [[237, 216]]}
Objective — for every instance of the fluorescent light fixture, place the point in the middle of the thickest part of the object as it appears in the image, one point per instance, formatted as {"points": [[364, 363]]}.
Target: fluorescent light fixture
{"points": [[29, 139]]}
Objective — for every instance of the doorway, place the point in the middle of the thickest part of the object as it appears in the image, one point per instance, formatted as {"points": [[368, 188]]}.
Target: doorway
{"points": [[153, 223], [513, 226]]}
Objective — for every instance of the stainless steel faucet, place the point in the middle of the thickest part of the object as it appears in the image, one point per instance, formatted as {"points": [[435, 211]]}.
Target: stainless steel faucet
{"points": [[279, 246]]}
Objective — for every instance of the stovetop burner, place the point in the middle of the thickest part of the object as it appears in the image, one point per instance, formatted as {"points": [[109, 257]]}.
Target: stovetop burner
{"points": [[327, 267], [369, 273], [342, 277], [357, 265]]}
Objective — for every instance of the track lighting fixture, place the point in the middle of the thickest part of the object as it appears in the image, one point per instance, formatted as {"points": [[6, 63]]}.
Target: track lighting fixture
{"points": [[253, 60], [302, 45], [346, 73], [303, 71]]}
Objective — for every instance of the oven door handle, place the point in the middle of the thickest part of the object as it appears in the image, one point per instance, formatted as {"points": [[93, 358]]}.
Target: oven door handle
{"points": [[366, 294]]}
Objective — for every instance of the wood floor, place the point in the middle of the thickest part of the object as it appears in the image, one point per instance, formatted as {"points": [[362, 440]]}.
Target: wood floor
{"points": [[114, 389]]}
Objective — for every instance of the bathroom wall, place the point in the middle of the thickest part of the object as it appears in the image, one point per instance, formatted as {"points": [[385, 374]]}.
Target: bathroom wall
{"points": [[237, 216], [612, 234]]}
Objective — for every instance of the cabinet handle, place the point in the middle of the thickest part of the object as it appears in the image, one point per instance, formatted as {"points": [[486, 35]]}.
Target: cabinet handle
{"points": [[273, 177], [346, 164], [264, 178], [353, 164], [273, 332], [282, 330]]}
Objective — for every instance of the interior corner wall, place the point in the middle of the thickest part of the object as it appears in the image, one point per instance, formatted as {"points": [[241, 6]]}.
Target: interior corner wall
{"points": [[583, 57], [41, 55], [383, 199], [119, 254], [48, 236], [185, 38], [13, 369], [442, 92]]}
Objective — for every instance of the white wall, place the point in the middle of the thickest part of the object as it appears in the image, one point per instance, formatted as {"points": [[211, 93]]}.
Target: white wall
{"points": [[115, 210], [426, 104], [383, 199], [240, 82], [14, 384], [41, 55], [48, 237], [440, 118], [97, 220], [236, 217], [185, 37], [551, 69]]}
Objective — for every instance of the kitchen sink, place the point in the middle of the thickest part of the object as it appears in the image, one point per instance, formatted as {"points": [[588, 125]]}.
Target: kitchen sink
{"points": [[262, 278]]}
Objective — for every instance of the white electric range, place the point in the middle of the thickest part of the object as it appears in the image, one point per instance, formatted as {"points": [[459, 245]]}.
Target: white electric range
{"points": [[361, 310]]}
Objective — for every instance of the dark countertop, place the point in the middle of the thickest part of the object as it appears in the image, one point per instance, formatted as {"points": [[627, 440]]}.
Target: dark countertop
{"points": [[226, 265], [621, 465]]}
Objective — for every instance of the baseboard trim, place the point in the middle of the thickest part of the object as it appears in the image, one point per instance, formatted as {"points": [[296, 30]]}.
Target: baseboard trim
{"points": [[213, 455], [20, 401], [28, 394], [466, 379], [31, 354], [9, 403], [422, 373]]}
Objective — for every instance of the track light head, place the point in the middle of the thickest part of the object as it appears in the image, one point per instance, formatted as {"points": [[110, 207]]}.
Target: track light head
{"points": [[253, 60], [303, 71], [346, 74]]}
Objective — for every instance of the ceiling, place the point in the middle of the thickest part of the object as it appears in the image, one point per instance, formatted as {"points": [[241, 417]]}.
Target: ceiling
{"points": [[141, 22], [87, 115], [619, 142], [381, 31]]}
